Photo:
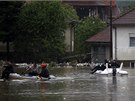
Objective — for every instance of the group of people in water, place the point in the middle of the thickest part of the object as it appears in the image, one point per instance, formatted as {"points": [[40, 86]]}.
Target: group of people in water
{"points": [[111, 64], [32, 70], [44, 72], [35, 71]]}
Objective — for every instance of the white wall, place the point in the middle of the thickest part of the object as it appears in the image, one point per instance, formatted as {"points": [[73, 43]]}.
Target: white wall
{"points": [[67, 39], [121, 49]]}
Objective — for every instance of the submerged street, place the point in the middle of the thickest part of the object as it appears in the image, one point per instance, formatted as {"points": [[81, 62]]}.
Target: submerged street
{"points": [[71, 84], [62, 33]]}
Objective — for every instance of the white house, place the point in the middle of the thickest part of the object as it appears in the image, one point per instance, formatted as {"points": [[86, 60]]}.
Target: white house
{"points": [[123, 37], [123, 40]]}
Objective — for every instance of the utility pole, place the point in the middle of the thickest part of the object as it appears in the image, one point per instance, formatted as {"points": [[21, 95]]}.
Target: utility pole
{"points": [[7, 47], [111, 43]]}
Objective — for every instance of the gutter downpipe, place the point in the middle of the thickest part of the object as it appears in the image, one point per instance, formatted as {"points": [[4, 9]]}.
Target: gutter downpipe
{"points": [[115, 42], [111, 44]]}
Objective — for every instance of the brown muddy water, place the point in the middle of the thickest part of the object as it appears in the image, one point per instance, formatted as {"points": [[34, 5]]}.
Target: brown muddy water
{"points": [[71, 84]]}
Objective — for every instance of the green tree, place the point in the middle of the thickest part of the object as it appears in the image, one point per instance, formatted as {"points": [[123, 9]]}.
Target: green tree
{"points": [[8, 15], [125, 5], [40, 29], [86, 28]]}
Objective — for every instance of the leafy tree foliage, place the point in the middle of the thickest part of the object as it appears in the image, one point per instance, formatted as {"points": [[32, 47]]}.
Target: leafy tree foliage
{"points": [[40, 29], [86, 28], [8, 15], [125, 5]]}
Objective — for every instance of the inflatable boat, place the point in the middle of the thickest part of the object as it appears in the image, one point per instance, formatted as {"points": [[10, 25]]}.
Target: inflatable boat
{"points": [[108, 71], [18, 76]]}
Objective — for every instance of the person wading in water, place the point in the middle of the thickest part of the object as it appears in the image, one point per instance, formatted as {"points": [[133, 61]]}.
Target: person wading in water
{"points": [[44, 72], [8, 68]]}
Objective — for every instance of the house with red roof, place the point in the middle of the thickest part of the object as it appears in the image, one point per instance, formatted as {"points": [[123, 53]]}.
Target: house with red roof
{"points": [[100, 45], [123, 40]]}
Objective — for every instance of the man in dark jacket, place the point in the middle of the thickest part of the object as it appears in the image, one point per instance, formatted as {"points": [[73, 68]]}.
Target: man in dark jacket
{"points": [[114, 65], [44, 71], [8, 68]]}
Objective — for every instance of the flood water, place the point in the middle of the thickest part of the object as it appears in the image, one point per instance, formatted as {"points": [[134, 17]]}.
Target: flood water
{"points": [[71, 84]]}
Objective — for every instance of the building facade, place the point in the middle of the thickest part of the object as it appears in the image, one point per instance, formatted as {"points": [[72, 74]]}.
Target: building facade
{"points": [[124, 38], [85, 8], [100, 46]]}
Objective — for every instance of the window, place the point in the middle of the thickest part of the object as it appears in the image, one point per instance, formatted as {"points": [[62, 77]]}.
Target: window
{"points": [[132, 39]]}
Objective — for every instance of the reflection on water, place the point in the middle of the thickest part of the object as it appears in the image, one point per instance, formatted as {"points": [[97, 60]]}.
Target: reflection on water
{"points": [[71, 84], [113, 89]]}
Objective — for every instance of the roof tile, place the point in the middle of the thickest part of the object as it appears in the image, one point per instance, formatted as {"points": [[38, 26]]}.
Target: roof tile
{"points": [[126, 18], [103, 36]]}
